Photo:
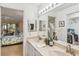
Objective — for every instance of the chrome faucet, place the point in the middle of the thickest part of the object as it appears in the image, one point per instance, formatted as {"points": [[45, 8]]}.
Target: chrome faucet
{"points": [[69, 50]]}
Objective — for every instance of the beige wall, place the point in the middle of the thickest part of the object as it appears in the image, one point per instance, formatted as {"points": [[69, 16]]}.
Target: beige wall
{"points": [[21, 25]]}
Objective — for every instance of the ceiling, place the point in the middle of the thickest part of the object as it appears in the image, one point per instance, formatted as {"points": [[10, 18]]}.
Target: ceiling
{"points": [[38, 5]]}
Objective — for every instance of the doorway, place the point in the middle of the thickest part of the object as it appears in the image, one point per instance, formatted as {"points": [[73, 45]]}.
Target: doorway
{"points": [[11, 32], [51, 26]]}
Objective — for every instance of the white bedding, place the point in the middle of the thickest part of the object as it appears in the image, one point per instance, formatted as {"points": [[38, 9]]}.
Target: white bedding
{"points": [[11, 40]]}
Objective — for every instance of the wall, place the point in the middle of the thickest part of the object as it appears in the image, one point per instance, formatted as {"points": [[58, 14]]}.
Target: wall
{"points": [[0, 31], [0, 22], [21, 25]]}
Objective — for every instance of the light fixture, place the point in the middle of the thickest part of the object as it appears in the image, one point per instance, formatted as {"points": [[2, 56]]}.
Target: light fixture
{"points": [[49, 7], [44, 10], [41, 12]]}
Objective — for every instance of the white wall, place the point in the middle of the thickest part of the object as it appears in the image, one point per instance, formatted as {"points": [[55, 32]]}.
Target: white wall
{"points": [[30, 13], [0, 31], [0, 22], [61, 15]]}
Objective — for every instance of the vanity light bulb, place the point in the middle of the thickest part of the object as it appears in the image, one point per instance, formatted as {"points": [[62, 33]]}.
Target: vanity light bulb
{"points": [[45, 9], [41, 11], [50, 5]]}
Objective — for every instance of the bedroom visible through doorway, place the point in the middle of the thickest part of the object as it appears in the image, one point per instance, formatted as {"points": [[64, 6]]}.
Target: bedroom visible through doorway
{"points": [[11, 32]]}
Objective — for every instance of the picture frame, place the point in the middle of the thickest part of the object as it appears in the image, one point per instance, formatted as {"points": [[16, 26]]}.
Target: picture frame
{"points": [[61, 23], [32, 25]]}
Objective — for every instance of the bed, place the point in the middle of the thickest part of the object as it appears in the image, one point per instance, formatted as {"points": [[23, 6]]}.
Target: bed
{"points": [[11, 40]]}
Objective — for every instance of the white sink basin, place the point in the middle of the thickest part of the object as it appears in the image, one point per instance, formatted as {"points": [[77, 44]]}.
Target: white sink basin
{"points": [[39, 45], [50, 51], [54, 51], [58, 53]]}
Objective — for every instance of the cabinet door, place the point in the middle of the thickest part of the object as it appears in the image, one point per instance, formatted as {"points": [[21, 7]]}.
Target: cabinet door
{"points": [[31, 51], [28, 49], [36, 53]]}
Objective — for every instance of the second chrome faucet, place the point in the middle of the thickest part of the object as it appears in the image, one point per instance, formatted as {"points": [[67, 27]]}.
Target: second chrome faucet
{"points": [[70, 50]]}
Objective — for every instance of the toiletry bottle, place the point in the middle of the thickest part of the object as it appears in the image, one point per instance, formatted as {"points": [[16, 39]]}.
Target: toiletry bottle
{"points": [[51, 42]]}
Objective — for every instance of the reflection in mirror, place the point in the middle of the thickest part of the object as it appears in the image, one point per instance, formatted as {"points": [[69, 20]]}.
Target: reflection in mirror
{"points": [[8, 29], [51, 28], [73, 31]]}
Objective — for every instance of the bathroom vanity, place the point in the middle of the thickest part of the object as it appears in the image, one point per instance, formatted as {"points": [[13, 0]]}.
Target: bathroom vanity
{"points": [[36, 47]]}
